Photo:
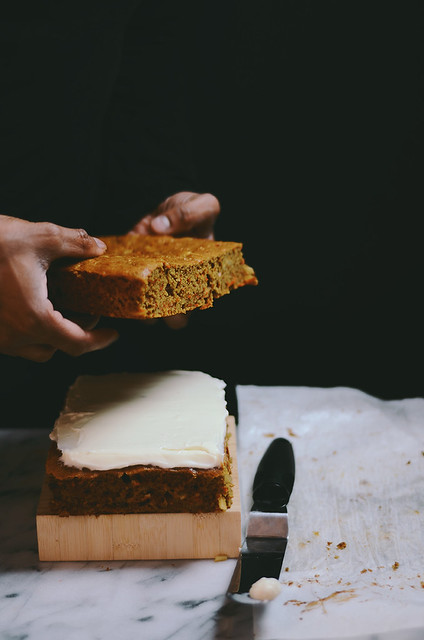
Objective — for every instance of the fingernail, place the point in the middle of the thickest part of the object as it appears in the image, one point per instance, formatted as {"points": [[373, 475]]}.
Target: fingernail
{"points": [[161, 224], [100, 243]]}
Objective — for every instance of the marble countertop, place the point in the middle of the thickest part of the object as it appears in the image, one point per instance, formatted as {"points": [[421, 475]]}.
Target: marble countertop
{"points": [[349, 488]]}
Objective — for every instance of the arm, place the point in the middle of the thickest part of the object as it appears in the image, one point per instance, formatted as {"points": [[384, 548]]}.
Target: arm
{"points": [[29, 325]]}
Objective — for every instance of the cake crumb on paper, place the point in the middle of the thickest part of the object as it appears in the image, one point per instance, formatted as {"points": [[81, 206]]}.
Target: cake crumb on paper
{"points": [[338, 596]]}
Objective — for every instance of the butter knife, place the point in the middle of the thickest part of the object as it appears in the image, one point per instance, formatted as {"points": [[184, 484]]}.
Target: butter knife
{"points": [[263, 550]]}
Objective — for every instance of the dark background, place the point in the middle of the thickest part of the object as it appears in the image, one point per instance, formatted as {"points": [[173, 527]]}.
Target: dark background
{"points": [[319, 168], [313, 141], [308, 125]]}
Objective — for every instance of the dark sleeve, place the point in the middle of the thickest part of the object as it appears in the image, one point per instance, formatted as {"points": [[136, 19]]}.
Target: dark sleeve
{"points": [[148, 153]]}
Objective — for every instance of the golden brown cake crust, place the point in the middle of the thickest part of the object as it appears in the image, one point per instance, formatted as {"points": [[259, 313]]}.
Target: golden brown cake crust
{"points": [[137, 489], [151, 276]]}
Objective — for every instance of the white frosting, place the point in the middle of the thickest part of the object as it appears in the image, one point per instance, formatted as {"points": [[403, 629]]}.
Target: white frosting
{"points": [[265, 589], [167, 419]]}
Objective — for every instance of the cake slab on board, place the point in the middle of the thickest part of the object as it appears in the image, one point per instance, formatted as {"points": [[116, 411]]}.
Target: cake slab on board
{"points": [[141, 536]]}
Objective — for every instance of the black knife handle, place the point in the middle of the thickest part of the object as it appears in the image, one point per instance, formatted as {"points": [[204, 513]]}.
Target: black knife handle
{"points": [[274, 477]]}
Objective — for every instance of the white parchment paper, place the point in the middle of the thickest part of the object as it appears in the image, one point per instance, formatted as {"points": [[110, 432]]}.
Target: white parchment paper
{"points": [[354, 564]]}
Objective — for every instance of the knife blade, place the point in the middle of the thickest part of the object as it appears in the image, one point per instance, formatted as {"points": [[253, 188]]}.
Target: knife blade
{"points": [[263, 549]]}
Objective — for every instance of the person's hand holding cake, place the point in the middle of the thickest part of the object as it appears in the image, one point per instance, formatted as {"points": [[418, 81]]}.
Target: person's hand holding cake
{"points": [[184, 213], [37, 310], [30, 327]]}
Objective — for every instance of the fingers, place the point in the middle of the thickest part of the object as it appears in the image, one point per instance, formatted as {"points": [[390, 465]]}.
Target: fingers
{"points": [[53, 241], [71, 338], [53, 332], [187, 212], [93, 341], [45, 240], [178, 321], [74, 341], [29, 326], [83, 320], [143, 227], [184, 213]]}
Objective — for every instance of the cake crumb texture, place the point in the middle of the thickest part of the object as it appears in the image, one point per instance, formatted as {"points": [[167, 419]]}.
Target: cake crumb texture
{"points": [[151, 277]]}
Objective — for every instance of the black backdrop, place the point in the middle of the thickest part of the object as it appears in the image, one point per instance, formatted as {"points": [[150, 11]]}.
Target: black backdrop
{"points": [[319, 167], [308, 125], [313, 138]]}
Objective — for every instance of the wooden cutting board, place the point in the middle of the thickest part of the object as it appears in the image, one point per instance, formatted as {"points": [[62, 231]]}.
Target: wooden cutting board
{"points": [[141, 536]]}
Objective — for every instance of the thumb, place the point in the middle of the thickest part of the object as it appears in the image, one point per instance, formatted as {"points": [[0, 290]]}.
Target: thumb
{"points": [[185, 212], [53, 242]]}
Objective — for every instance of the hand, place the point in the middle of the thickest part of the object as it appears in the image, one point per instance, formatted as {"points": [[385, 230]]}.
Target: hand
{"points": [[29, 325], [183, 214]]}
